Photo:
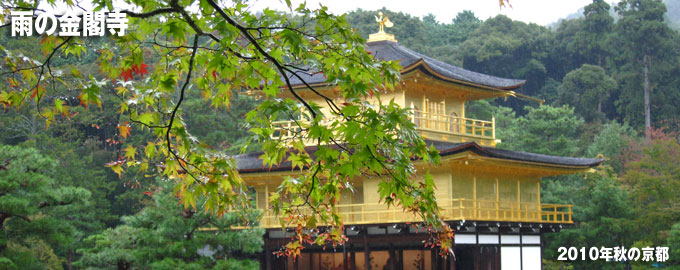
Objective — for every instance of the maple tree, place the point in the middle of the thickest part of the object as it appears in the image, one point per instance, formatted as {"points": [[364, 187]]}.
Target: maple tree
{"points": [[215, 49]]}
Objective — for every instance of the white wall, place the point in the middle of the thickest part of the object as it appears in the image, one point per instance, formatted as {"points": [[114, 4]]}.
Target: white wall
{"points": [[510, 258]]}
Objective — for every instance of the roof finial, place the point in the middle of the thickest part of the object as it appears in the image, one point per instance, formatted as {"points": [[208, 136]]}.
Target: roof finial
{"points": [[383, 21], [382, 35]]}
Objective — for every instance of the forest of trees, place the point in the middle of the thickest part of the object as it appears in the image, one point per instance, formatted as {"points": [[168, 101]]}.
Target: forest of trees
{"points": [[611, 88]]}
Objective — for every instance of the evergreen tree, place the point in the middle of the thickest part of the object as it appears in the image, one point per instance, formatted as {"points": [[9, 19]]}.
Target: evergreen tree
{"points": [[586, 88], [545, 130], [164, 235], [36, 211], [646, 40]]}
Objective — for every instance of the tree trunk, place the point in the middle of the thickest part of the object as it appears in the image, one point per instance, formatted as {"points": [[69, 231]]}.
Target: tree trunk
{"points": [[3, 234], [648, 117], [70, 258], [599, 105]]}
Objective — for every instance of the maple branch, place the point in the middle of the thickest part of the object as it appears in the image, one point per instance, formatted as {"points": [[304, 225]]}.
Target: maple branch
{"points": [[179, 103], [251, 39], [24, 8], [149, 14]]}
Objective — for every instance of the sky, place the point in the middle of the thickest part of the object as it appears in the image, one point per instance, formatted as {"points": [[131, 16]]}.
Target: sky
{"points": [[541, 12]]}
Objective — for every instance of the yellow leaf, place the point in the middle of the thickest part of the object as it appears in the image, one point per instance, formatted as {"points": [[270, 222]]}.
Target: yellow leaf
{"points": [[124, 130], [118, 169], [130, 152]]}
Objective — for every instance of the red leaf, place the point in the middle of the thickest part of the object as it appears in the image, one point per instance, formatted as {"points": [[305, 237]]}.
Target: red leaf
{"points": [[126, 74], [141, 69]]}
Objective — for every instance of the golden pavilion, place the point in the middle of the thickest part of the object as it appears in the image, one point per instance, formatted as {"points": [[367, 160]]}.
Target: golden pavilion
{"points": [[490, 196]]}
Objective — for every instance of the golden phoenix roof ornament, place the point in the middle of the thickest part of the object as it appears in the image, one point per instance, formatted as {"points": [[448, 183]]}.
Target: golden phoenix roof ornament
{"points": [[384, 21]]}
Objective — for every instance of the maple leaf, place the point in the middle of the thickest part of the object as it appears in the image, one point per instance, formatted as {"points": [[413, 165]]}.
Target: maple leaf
{"points": [[83, 100], [141, 69], [126, 74], [116, 166], [124, 130], [130, 152]]}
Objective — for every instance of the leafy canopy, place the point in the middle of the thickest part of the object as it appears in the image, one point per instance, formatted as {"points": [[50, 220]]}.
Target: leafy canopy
{"points": [[216, 48]]}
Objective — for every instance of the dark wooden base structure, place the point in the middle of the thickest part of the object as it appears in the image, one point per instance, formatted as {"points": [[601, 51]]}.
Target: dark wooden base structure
{"points": [[479, 246]]}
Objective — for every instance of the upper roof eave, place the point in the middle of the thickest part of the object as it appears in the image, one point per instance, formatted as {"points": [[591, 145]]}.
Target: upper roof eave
{"points": [[250, 163], [411, 60]]}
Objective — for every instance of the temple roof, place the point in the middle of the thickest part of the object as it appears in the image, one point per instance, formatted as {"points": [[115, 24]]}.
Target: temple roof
{"points": [[251, 163], [411, 60]]}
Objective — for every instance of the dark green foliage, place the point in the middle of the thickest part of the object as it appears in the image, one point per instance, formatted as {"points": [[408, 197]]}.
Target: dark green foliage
{"points": [[602, 213], [586, 88], [610, 142], [673, 244], [166, 236], [218, 127], [38, 214], [507, 48], [654, 181], [647, 51], [545, 130]]}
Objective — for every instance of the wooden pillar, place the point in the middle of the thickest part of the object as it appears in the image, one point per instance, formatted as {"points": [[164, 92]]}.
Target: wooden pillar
{"points": [[345, 261], [498, 251], [433, 260], [400, 262], [267, 259], [285, 263], [367, 251], [542, 248], [311, 261], [352, 259], [452, 262], [441, 262], [393, 258], [296, 262], [477, 256]]}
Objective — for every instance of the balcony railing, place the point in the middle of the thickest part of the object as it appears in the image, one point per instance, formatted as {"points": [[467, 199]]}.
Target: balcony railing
{"points": [[431, 126], [454, 128], [455, 209], [287, 129]]}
